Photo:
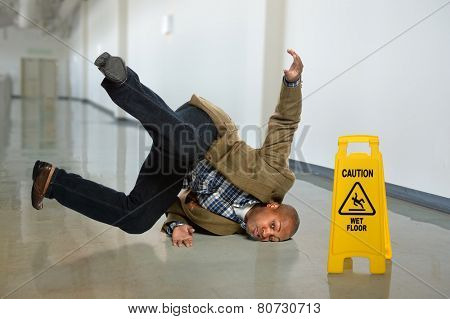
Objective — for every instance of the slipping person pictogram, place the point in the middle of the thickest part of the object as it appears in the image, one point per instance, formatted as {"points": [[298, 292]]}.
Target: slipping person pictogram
{"points": [[198, 172], [358, 202]]}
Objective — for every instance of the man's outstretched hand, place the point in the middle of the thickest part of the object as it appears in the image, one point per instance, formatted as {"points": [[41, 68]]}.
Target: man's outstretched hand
{"points": [[182, 235], [296, 69]]}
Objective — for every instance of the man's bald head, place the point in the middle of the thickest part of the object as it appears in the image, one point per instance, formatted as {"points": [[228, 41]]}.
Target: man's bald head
{"points": [[272, 222], [291, 215]]}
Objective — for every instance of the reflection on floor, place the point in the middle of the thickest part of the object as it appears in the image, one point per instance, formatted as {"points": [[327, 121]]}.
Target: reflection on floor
{"points": [[57, 253]]}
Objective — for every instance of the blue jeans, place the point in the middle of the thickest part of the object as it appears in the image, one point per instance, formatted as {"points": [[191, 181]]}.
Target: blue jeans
{"points": [[180, 139]]}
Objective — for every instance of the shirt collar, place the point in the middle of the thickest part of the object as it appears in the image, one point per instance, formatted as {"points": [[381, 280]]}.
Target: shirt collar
{"points": [[241, 212]]}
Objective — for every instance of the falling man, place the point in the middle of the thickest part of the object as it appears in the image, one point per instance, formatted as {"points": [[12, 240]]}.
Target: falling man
{"points": [[198, 172]]}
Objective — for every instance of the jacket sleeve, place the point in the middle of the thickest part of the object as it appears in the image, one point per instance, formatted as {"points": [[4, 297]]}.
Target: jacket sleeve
{"points": [[282, 125]]}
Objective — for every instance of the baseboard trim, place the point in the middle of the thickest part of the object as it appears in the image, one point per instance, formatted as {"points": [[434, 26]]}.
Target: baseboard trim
{"points": [[103, 109], [99, 107], [410, 195]]}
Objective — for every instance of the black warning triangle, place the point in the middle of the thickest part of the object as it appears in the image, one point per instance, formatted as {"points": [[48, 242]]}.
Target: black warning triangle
{"points": [[357, 202]]}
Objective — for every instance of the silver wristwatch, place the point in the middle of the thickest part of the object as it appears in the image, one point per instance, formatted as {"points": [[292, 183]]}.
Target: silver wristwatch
{"points": [[172, 226]]}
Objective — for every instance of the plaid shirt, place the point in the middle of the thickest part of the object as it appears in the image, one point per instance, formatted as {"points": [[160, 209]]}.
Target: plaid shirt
{"points": [[215, 193]]}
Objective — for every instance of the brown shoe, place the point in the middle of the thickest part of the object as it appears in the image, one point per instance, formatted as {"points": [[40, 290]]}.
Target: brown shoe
{"points": [[42, 174]]}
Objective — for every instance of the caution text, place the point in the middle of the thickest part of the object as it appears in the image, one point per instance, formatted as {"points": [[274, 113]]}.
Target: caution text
{"points": [[357, 172]]}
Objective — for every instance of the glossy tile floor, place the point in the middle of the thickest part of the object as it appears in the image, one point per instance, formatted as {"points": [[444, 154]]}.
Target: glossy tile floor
{"points": [[57, 253]]}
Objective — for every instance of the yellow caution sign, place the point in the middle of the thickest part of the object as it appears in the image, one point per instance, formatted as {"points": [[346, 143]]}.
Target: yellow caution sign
{"points": [[359, 221]]}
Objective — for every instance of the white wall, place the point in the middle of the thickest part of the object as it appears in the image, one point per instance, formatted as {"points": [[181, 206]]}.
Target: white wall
{"points": [[96, 29], [103, 36], [30, 43], [216, 51], [76, 58], [400, 93]]}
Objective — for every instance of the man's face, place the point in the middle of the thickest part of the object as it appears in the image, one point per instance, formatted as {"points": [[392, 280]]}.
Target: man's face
{"points": [[267, 224]]}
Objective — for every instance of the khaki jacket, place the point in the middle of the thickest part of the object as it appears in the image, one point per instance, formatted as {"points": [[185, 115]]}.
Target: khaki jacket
{"points": [[262, 172]]}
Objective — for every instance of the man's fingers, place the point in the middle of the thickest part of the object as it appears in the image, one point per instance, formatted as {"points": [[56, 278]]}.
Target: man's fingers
{"points": [[292, 52], [295, 55], [180, 242], [187, 243], [297, 63]]}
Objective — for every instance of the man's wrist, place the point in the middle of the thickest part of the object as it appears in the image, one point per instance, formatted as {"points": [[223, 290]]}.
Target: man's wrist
{"points": [[172, 226], [292, 83]]}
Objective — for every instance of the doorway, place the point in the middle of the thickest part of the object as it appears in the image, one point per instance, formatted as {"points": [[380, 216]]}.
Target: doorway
{"points": [[39, 79], [39, 100]]}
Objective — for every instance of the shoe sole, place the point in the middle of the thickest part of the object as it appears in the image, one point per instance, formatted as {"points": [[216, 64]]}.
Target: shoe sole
{"points": [[35, 169], [47, 183], [101, 60], [117, 70]]}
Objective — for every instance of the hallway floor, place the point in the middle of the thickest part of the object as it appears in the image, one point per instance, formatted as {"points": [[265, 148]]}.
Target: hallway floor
{"points": [[57, 253]]}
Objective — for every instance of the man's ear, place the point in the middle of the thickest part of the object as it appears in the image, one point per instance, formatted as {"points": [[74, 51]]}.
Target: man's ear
{"points": [[273, 205]]}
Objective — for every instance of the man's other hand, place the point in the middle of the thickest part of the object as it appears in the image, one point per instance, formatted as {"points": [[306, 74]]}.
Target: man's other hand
{"points": [[182, 235], [296, 69]]}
